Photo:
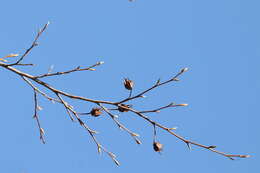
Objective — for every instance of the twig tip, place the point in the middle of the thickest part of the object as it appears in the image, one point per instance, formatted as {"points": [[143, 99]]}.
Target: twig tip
{"points": [[184, 70]]}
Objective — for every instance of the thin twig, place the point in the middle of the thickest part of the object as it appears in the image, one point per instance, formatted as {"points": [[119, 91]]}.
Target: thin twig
{"points": [[39, 91], [84, 113], [67, 107], [157, 84], [130, 93], [154, 133], [99, 146], [46, 85], [70, 71], [33, 44], [36, 107], [25, 64], [188, 142], [171, 105], [120, 125], [90, 131]]}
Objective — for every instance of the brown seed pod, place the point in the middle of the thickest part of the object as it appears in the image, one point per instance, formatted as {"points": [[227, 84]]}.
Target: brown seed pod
{"points": [[129, 84], [96, 112], [121, 109], [157, 146]]}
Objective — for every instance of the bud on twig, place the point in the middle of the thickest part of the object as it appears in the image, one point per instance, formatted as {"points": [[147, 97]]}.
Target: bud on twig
{"points": [[184, 70], [42, 131], [129, 84], [39, 108], [212, 146], [173, 128], [96, 112], [138, 141], [116, 162], [183, 104], [99, 149], [100, 62], [158, 82]]}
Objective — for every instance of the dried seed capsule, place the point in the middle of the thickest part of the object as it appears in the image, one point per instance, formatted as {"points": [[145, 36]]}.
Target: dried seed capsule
{"points": [[121, 109], [129, 84], [157, 146], [96, 112]]}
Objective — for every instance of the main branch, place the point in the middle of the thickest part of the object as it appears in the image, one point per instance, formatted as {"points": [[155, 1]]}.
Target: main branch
{"points": [[103, 105]]}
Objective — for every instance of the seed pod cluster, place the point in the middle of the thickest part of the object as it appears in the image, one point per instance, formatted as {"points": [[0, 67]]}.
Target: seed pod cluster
{"points": [[157, 146], [95, 112], [129, 84]]}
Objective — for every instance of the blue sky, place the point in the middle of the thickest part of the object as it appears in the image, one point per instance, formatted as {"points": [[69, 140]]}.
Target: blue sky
{"points": [[143, 40]]}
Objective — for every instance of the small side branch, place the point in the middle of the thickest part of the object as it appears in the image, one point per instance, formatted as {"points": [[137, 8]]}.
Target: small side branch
{"points": [[67, 107], [120, 125], [99, 146], [33, 44], [70, 71], [163, 107], [91, 132], [157, 84], [39, 91], [188, 142], [36, 108]]}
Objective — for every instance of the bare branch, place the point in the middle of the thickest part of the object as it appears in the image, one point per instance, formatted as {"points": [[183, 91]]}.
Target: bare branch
{"points": [[99, 146], [120, 125], [188, 142], [25, 64], [121, 106], [163, 107], [70, 71], [33, 44], [39, 91], [91, 132], [157, 84], [67, 107], [47, 86], [36, 108]]}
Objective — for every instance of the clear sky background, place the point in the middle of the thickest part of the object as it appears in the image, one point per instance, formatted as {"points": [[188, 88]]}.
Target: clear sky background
{"points": [[219, 41]]}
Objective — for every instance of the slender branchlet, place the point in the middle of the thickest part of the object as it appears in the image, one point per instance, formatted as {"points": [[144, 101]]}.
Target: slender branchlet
{"points": [[120, 125], [36, 116], [104, 106], [32, 46]]}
